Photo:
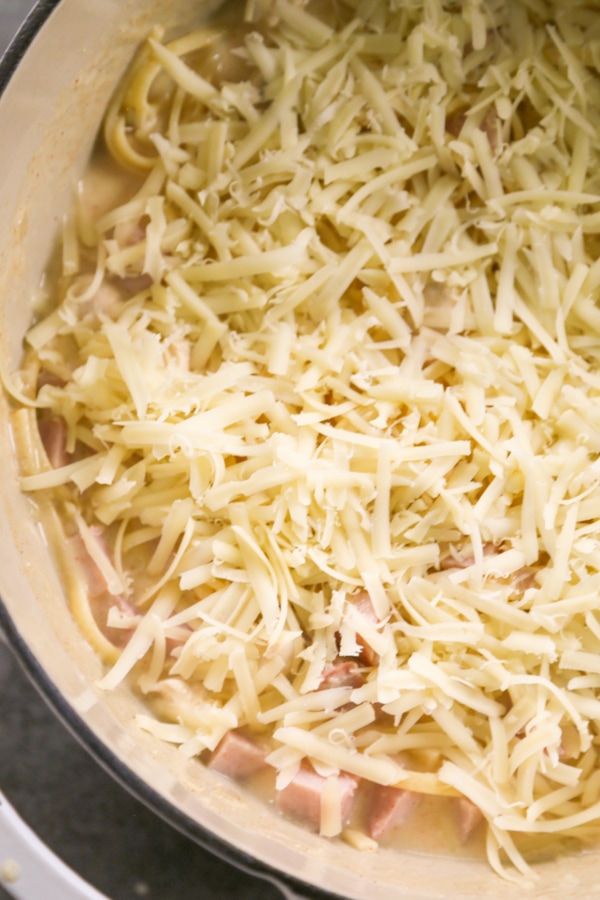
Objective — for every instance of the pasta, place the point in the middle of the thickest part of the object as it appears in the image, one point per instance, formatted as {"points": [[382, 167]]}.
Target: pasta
{"points": [[314, 409]]}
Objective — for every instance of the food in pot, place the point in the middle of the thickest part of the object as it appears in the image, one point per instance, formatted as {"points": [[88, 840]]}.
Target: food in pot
{"points": [[311, 411]]}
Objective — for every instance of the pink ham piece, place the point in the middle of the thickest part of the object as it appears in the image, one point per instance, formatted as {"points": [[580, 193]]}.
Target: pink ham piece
{"points": [[491, 125], [100, 598], [455, 123], [53, 434], [525, 578], [51, 378], [364, 605], [238, 757], [468, 818], [519, 581], [301, 798], [94, 579], [389, 807], [109, 298], [106, 299], [341, 673], [100, 604], [130, 233], [133, 284], [104, 302]]}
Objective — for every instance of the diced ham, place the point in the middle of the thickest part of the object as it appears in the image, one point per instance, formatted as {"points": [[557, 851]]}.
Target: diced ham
{"points": [[238, 756], [109, 297], [455, 123], [104, 302], [106, 299], [133, 284], [50, 378], [364, 605], [100, 606], [525, 578], [468, 816], [130, 233], [491, 125], [389, 807], [94, 578], [341, 673], [519, 581], [99, 596], [301, 798], [53, 433]]}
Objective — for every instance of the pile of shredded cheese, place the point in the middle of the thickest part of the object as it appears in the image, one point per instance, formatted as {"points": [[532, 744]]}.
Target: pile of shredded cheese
{"points": [[359, 352]]}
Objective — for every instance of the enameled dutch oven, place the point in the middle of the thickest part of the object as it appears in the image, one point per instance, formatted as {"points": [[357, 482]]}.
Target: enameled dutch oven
{"points": [[56, 79]]}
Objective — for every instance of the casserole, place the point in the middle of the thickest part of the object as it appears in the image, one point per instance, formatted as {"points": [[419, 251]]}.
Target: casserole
{"points": [[55, 128]]}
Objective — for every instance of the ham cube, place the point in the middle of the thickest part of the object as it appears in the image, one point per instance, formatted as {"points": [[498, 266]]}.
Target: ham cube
{"points": [[389, 807], [106, 299], [492, 128], [364, 605], [341, 673], [100, 598], [301, 798], [134, 284], [100, 606], [491, 125], [53, 433], [468, 817], [238, 757], [95, 580]]}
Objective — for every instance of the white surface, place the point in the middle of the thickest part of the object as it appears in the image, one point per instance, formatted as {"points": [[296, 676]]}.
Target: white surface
{"points": [[28, 870]]}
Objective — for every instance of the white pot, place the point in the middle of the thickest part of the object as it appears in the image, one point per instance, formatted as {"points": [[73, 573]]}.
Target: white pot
{"points": [[57, 80]]}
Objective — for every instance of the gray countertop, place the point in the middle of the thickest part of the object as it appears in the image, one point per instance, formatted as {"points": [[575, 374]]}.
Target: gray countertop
{"points": [[106, 835]]}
